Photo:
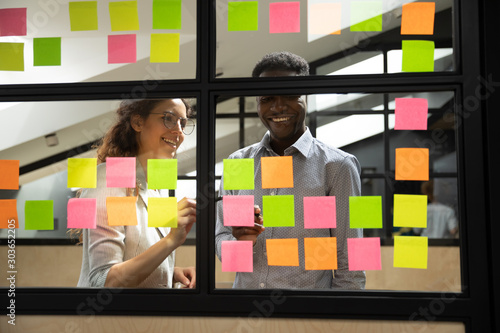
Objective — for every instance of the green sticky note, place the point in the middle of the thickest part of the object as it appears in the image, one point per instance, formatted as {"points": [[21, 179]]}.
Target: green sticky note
{"points": [[82, 172], [162, 212], [11, 56], [124, 16], [410, 211], [410, 252], [365, 212], [366, 16], [162, 174], [167, 14], [243, 16], [278, 211], [238, 174], [83, 15], [165, 47], [47, 51], [418, 56], [39, 215]]}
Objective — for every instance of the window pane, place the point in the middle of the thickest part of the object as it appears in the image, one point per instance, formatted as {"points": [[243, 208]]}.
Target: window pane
{"points": [[354, 123], [341, 38], [58, 134], [101, 43]]}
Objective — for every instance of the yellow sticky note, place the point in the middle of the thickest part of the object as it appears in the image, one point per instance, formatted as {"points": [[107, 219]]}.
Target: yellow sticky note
{"points": [[165, 47], [82, 172], [282, 252], [162, 212], [124, 16], [412, 164], [83, 15], [121, 211], [277, 172], [11, 56], [320, 253], [410, 211], [410, 252]]}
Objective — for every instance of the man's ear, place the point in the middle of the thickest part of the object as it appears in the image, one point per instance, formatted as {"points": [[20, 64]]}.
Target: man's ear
{"points": [[136, 122]]}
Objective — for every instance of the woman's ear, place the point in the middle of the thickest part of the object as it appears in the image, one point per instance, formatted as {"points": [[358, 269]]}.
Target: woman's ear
{"points": [[136, 122]]}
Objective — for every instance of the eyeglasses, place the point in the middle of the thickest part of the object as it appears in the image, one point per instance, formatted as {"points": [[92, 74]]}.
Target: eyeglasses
{"points": [[170, 121]]}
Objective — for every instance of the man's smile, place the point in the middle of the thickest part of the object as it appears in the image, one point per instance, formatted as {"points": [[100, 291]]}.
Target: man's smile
{"points": [[280, 119]]}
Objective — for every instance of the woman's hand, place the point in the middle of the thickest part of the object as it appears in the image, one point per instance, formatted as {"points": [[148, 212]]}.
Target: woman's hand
{"points": [[186, 216], [250, 233], [186, 276]]}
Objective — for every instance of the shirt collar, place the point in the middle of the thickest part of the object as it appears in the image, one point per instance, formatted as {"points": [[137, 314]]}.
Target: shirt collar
{"points": [[302, 145]]}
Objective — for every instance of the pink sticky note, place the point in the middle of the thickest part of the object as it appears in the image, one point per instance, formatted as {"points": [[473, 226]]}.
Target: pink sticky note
{"points": [[122, 49], [120, 172], [238, 210], [319, 212], [237, 256], [82, 213], [13, 22], [364, 254], [411, 114], [284, 17]]}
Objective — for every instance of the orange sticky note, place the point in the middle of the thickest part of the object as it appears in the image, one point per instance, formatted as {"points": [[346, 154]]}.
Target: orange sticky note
{"points": [[8, 213], [418, 18], [9, 175], [412, 164], [277, 172], [282, 252], [320, 253], [121, 211]]}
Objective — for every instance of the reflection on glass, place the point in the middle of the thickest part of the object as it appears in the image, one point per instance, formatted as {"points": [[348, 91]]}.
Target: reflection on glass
{"points": [[441, 219]]}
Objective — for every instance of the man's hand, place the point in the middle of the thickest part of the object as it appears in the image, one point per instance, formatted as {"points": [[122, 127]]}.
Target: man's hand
{"points": [[250, 233]]}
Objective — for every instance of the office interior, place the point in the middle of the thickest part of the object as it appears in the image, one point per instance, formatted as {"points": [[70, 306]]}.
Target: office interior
{"points": [[54, 113]]}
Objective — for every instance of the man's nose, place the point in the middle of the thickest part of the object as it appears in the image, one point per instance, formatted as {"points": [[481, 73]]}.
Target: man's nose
{"points": [[280, 103]]}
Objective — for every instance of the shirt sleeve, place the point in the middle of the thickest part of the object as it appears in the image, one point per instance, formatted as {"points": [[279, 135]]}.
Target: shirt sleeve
{"points": [[345, 181], [106, 244]]}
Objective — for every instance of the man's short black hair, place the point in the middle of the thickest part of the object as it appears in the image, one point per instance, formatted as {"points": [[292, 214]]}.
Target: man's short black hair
{"points": [[281, 61]]}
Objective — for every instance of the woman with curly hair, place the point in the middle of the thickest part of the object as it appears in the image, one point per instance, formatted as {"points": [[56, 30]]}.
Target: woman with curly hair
{"points": [[138, 255]]}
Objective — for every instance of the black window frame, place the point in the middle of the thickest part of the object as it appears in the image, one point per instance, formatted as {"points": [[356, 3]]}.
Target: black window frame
{"points": [[474, 306]]}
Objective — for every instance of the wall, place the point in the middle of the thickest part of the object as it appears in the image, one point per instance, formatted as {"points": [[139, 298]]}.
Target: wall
{"points": [[59, 266]]}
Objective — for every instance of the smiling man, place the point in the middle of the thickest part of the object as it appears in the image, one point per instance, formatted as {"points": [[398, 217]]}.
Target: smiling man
{"points": [[318, 170]]}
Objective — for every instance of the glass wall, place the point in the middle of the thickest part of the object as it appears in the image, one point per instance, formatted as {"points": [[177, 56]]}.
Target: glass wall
{"points": [[372, 128]]}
